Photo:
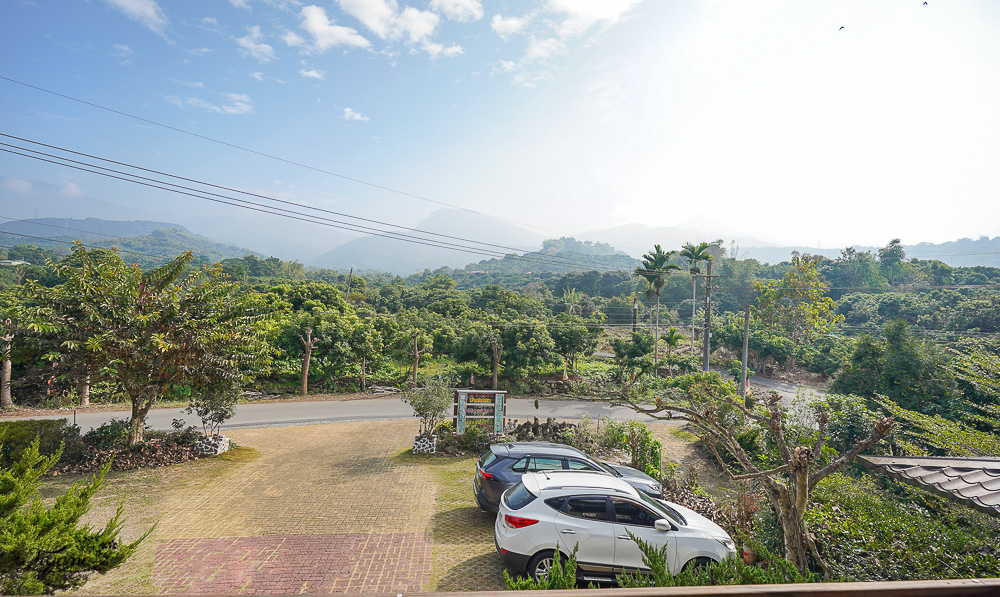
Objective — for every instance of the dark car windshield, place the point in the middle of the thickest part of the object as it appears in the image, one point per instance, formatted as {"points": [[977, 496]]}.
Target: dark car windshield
{"points": [[663, 509]]}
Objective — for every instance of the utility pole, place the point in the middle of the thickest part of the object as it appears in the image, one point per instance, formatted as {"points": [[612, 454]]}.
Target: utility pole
{"points": [[746, 350], [635, 311], [350, 278], [708, 316]]}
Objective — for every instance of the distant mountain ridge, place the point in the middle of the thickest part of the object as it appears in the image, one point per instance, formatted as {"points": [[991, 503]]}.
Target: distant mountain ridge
{"points": [[147, 242], [964, 252]]}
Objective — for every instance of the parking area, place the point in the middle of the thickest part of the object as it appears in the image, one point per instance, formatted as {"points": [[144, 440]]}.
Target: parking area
{"points": [[320, 509]]}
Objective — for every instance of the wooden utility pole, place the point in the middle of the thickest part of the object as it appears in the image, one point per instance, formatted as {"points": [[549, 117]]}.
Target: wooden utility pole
{"points": [[746, 351], [708, 317]]}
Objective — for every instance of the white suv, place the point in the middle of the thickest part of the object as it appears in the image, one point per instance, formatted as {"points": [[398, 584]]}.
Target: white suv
{"points": [[562, 509]]}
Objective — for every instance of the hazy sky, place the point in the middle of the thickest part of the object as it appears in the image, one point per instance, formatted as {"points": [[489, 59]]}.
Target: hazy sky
{"points": [[818, 123]]}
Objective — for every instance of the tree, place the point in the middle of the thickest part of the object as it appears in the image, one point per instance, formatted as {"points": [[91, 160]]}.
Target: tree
{"points": [[694, 254], [715, 410], [655, 269], [44, 549], [149, 332], [574, 336], [430, 404], [890, 258], [672, 339], [797, 304]]}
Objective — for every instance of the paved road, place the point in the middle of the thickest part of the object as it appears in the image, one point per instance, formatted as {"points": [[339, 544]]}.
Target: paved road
{"points": [[278, 414]]}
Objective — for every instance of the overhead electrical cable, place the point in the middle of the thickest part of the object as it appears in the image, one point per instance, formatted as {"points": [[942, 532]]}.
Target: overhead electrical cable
{"points": [[68, 162], [278, 158]]}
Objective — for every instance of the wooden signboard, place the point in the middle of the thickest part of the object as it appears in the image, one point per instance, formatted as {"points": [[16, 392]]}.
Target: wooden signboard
{"points": [[480, 408]]}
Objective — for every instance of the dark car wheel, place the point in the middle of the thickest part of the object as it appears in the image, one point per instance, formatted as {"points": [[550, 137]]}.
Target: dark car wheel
{"points": [[540, 565], [698, 563]]}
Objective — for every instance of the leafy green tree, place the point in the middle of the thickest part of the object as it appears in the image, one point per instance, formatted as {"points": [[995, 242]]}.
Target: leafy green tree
{"points": [[797, 304], [574, 336], [632, 356], [654, 270], [695, 254], [147, 333], [672, 339], [890, 258], [44, 549], [914, 375]]}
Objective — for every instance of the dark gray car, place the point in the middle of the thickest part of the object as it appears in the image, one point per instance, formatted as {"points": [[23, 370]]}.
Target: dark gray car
{"points": [[501, 468]]}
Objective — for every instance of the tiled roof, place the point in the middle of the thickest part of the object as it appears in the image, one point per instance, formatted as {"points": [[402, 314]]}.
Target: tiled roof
{"points": [[972, 481]]}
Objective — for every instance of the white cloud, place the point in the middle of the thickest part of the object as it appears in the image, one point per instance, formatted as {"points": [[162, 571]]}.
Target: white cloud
{"points": [[122, 50], [210, 21], [146, 12], [581, 15], [384, 19], [326, 34], [542, 49], [251, 45], [196, 84], [437, 50], [504, 66], [293, 39], [459, 10], [200, 51], [312, 73], [17, 185], [70, 189], [350, 114], [244, 4], [507, 26], [236, 103], [258, 76]]}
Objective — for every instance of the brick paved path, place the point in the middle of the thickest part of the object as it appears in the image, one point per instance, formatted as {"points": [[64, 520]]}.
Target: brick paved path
{"points": [[324, 509]]}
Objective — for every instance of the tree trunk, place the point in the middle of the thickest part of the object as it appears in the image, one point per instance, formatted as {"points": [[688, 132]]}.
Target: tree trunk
{"points": [[497, 351], [85, 391], [5, 398], [6, 401], [656, 335], [364, 367], [308, 344], [137, 425], [416, 359], [694, 306]]}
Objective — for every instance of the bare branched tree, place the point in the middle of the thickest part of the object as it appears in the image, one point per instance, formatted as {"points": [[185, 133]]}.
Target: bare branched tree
{"points": [[711, 407]]}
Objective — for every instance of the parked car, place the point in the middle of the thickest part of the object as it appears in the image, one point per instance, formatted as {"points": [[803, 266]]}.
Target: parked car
{"points": [[552, 510], [501, 468]]}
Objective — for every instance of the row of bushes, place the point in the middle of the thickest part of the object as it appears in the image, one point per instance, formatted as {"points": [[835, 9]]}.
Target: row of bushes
{"points": [[56, 434]]}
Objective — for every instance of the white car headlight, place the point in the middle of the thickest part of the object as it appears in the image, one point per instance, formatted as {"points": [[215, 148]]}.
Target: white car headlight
{"points": [[726, 542]]}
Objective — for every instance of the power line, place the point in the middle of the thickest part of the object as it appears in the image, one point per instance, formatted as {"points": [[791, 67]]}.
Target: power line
{"points": [[280, 159], [272, 210]]}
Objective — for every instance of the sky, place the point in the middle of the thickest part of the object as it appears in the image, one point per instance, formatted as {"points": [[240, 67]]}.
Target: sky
{"points": [[805, 122]]}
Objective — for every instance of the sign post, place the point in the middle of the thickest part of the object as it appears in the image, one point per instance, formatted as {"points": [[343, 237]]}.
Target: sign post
{"points": [[484, 409]]}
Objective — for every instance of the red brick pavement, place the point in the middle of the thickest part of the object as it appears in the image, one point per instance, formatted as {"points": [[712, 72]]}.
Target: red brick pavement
{"points": [[350, 562]]}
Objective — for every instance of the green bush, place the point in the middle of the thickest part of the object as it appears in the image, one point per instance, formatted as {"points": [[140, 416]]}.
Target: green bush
{"points": [[731, 571], [637, 440], [110, 435], [868, 534], [53, 435], [559, 577]]}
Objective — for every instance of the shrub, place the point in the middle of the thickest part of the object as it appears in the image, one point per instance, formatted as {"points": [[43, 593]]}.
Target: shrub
{"points": [[731, 571], [111, 435], [637, 440], [867, 534], [53, 435], [430, 404], [559, 576]]}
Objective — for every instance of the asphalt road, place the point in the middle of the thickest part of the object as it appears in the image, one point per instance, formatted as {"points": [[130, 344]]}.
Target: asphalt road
{"points": [[281, 414]]}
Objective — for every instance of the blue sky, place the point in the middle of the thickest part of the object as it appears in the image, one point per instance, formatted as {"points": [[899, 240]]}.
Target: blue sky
{"points": [[761, 119]]}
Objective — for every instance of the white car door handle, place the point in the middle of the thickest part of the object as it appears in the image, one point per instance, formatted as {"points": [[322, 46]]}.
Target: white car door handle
{"points": [[568, 532], [626, 537]]}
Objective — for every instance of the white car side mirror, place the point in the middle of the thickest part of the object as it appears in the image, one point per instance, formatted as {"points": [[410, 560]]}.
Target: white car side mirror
{"points": [[663, 525]]}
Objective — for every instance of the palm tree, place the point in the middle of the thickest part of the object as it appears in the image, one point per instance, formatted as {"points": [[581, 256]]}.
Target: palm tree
{"points": [[672, 338], [572, 299], [694, 254], [655, 269]]}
